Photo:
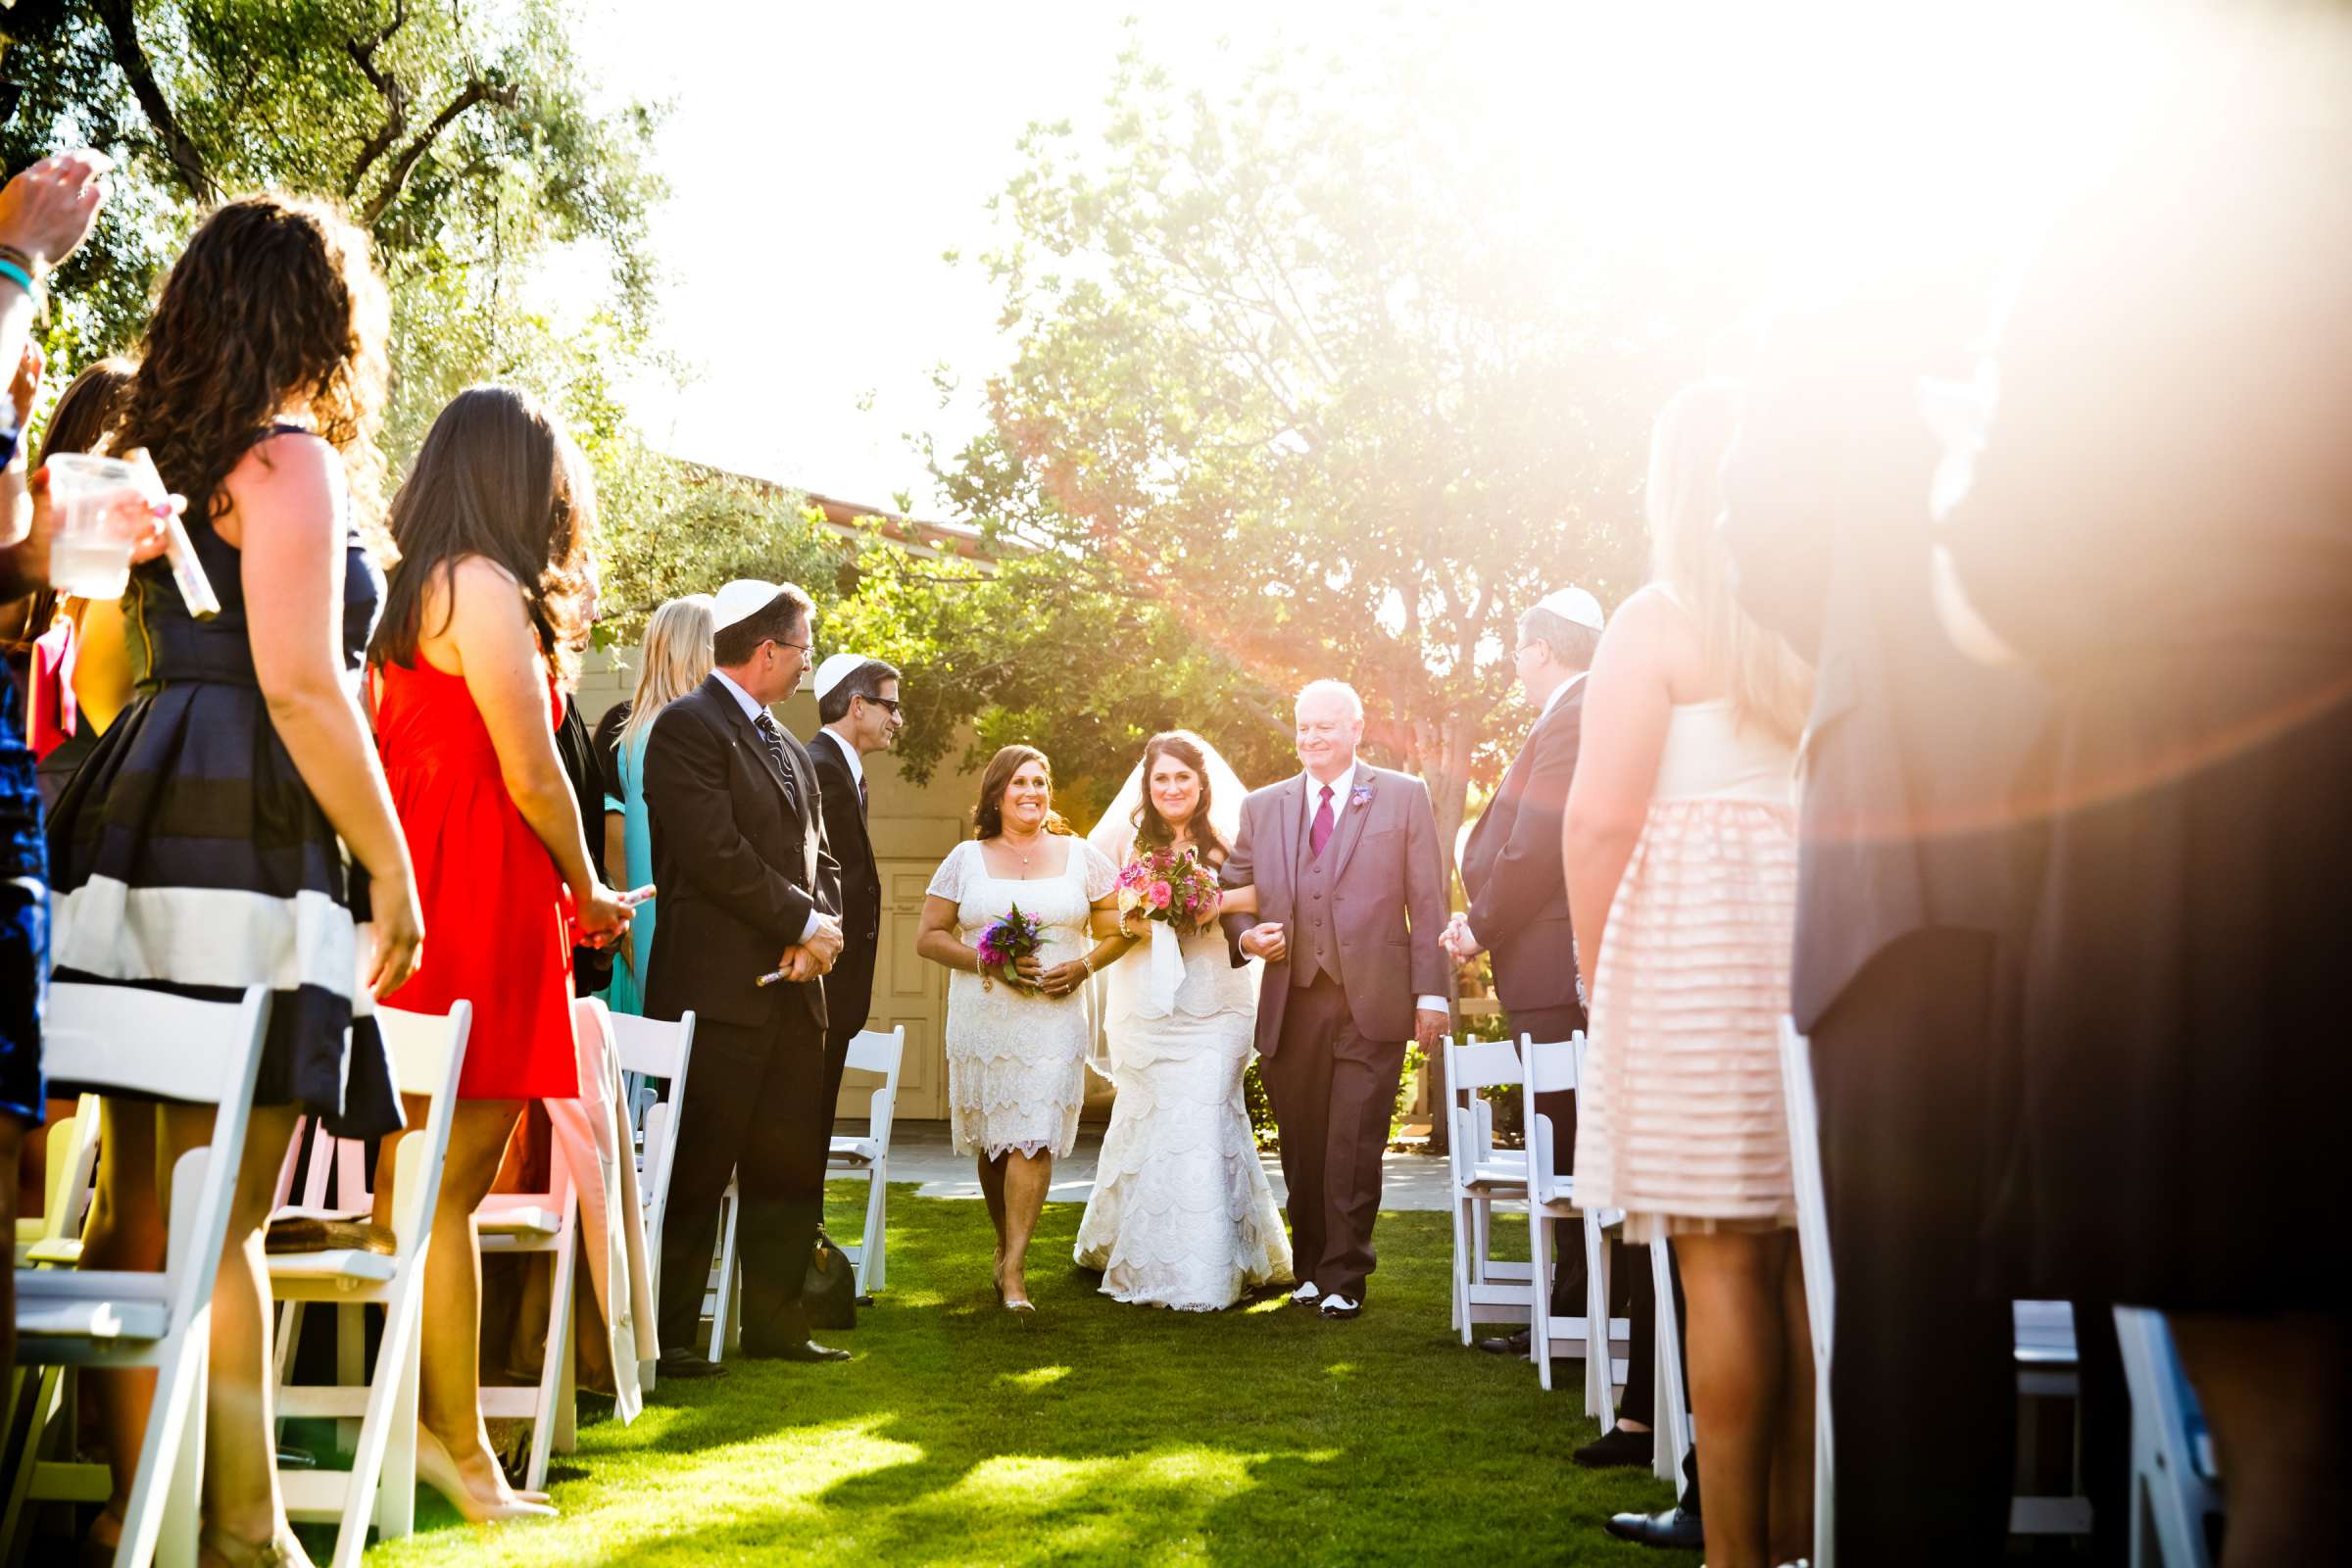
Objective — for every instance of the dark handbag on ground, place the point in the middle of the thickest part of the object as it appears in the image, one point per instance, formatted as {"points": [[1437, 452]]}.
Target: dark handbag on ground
{"points": [[829, 1296]]}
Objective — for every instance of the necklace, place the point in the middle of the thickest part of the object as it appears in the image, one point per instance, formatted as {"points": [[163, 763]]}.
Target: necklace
{"points": [[1005, 839]]}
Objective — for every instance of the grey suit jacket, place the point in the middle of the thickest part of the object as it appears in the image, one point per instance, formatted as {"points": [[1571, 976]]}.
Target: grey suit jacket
{"points": [[1387, 897]]}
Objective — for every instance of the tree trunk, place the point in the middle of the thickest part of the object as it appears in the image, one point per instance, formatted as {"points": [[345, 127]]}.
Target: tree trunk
{"points": [[1446, 749]]}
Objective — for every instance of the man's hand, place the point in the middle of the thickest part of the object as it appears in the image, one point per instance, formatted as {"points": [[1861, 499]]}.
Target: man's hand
{"points": [[1429, 1028], [825, 941], [798, 964], [1266, 940]]}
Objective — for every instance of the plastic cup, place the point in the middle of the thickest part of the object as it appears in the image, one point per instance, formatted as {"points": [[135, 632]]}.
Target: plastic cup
{"points": [[100, 505]]}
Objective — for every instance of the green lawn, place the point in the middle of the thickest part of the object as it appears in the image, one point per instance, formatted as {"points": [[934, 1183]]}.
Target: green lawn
{"points": [[1092, 1432]]}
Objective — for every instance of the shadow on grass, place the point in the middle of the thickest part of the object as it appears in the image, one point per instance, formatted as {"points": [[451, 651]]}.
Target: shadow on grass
{"points": [[1093, 1433]]}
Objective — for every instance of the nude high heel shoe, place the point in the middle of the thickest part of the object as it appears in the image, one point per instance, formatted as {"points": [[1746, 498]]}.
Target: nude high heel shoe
{"points": [[437, 1470]]}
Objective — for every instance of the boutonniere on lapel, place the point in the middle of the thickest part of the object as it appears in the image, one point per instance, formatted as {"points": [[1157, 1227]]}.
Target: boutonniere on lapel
{"points": [[1361, 794]]}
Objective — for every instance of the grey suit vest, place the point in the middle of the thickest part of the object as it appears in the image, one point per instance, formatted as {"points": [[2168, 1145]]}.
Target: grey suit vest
{"points": [[1316, 944]]}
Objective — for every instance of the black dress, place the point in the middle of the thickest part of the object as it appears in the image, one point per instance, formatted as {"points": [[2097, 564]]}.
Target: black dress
{"points": [[2161, 522], [189, 856]]}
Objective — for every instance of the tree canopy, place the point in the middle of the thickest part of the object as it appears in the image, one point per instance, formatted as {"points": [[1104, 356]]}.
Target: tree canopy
{"points": [[1306, 385]]}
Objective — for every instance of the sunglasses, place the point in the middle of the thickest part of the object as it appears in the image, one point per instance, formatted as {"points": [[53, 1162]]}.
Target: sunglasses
{"points": [[891, 703]]}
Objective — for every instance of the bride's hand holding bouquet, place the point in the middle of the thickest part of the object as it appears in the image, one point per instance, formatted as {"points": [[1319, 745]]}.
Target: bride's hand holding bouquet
{"points": [[1168, 885]]}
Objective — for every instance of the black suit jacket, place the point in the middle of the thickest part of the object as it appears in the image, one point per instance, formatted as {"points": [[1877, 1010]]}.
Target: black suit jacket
{"points": [[1511, 869], [849, 988], [1912, 752], [738, 868]]}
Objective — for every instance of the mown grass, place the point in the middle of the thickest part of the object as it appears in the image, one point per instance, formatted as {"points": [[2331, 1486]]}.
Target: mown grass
{"points": [[1092, 1432]]}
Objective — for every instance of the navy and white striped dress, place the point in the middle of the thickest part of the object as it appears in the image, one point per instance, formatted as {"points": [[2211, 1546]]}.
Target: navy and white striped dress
{"points": [[189, 856]]}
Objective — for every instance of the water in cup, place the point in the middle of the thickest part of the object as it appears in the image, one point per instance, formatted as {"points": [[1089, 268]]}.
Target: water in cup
{"points": [[89, 558]]}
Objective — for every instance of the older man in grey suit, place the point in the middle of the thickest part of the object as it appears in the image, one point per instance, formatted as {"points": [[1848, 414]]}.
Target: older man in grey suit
{"points": [[1350, 903]]}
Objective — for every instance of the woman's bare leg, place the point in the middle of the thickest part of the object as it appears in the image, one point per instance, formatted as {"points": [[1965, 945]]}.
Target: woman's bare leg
{"points": [[1733, 1289], [2273, 1389], [125, 1231], [1026, 1179], [449, 1401], [1790, 1505], [242, 1497]]}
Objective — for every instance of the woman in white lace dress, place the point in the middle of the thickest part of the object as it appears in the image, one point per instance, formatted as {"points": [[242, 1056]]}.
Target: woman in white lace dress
{"points": [[1016, 1042], [1182, 1215]]}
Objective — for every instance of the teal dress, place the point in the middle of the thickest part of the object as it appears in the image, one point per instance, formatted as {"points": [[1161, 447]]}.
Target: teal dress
{"points": [[626, 993]]}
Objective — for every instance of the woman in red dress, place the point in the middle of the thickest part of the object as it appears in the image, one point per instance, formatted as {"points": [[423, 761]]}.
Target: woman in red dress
{"points": [[487, 604]]}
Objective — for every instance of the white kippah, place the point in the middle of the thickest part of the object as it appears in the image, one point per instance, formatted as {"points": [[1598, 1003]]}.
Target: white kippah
{"points": [[1574, 605], [745, 596], [834, 670]]}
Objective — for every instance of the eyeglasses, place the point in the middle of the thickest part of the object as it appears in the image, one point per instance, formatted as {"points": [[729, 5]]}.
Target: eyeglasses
{"points": [[806, 648], [891, 703]]}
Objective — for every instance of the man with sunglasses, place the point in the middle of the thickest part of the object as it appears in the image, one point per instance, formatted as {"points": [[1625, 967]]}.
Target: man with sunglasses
{"points": [[857, 706]]}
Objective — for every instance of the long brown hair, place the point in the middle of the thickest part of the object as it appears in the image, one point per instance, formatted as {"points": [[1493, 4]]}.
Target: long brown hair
{"points": [[1153, 831], [989, 819], [499, 479], [273, 301]]}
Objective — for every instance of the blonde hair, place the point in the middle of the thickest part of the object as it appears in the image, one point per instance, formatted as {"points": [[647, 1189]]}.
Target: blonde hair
{"points": [[1771, 689], [675, 660]]}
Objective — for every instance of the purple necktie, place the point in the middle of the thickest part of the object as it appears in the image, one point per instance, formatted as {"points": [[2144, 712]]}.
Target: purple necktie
{"points": [[1320, 833]]}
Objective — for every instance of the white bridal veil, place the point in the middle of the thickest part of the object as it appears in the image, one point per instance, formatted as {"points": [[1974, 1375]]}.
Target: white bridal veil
{"points": [[1144, 983]]}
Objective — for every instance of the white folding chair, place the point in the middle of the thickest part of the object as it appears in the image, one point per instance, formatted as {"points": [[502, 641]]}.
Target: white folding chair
{"points": [[427, 1055], [51, 1239], [1673, 1397], [71, 1163], [1821, 1294], [867, 1159], [648, 1048], [723, 1291], [532, 1223], [1551, 1068], [2048, 1367], [203, 1053], [2175, 1485], [1485, 1289]]}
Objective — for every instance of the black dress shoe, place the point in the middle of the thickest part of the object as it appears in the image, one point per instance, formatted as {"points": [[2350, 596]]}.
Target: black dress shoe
{"points": [[780, 1350], [686, 1364], [1617, 1446], [1508, 1343], [1677, 1529]]}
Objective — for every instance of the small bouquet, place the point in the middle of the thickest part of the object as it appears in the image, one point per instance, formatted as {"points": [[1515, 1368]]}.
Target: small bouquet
{"points": [[1171, 885], [1004, 943]]}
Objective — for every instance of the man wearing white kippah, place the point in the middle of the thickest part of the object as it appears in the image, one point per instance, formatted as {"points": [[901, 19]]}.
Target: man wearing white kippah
{"points": [[750, 924], [857, 707]]}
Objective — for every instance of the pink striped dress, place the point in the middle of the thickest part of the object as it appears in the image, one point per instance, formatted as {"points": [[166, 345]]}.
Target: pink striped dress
{"points": [[1680, 1120]]}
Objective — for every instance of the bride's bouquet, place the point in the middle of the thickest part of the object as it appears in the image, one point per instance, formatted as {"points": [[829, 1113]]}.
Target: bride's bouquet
{"points": [[1003, 943], [1175, 894], [1170, 886]]}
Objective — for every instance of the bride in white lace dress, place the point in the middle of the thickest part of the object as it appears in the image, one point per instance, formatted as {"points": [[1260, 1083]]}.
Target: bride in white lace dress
{"points": [[1182, 1215]]}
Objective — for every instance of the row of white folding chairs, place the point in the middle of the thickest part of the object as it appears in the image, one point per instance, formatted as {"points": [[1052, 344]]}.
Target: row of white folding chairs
{"points": [[2175, 1484], [1491, 1289]]}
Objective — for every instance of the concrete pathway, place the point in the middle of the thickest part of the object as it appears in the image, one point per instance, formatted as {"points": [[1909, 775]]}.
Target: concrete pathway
{"points": [[919, 1152]]}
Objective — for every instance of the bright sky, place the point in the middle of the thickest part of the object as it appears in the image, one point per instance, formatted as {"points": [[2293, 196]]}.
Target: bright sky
{"points": [[822, 158]]}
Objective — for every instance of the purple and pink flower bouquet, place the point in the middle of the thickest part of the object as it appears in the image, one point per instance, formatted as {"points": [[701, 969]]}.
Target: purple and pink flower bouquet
{"points": [[1171, 885], [1005, 942]]}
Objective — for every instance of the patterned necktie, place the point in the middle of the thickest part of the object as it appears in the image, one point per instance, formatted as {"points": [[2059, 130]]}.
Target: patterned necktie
{"points": [[774, 739], [861, 800], [1321, 834]]}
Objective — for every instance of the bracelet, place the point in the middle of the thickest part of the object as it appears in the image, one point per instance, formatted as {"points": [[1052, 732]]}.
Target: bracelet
{"points": [[21, 256], [20, 276]]}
